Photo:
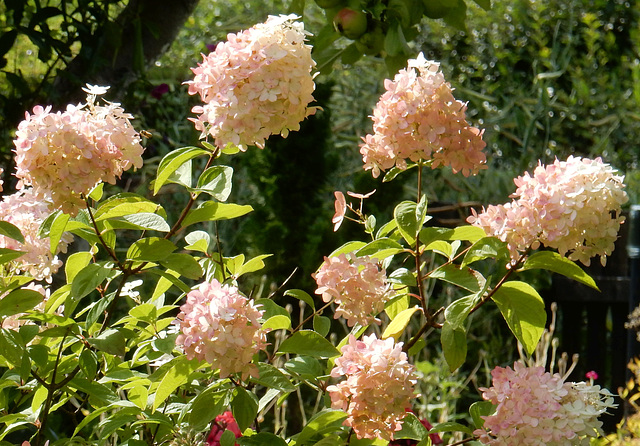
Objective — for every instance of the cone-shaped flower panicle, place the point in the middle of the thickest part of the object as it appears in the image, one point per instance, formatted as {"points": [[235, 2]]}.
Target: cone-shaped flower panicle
{"points": [[417, 118], [27, 211], [256, 84], [65, 154], [358, 286], [573, 206], [534, 407], [378, 388], [222, 327]]}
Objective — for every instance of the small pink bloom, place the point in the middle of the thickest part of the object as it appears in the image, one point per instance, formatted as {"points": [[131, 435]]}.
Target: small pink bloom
{"points": [[64, 155], [417, 118], [360, 196], [27, 211], [220, 326], [592, 375], [358, 285], [534, 407], [378, 388], [573, 206], [256, 84], [341, 209]]}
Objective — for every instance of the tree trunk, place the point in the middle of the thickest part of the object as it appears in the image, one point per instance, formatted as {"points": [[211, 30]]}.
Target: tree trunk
{"points": [[124, 48]]}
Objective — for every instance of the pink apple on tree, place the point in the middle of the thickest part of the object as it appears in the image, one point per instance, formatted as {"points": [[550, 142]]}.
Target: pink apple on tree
{"points": [[350, 23]]}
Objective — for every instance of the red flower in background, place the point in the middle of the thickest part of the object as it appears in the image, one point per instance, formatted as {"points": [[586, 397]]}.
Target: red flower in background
{"points": [[224, 421]]}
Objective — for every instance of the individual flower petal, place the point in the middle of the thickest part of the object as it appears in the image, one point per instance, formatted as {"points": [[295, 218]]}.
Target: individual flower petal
{"points": [[341, 209]]}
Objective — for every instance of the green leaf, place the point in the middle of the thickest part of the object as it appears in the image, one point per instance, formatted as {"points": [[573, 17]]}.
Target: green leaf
{"points": [[244, 407], [206, 406], [57, 229], [212, 211], [484, 4], [277, 322], [523, 309], [216, 181], [96, 309], [395, 171], [457, 16], [99, 394], [480, 409], [110, 341], [396, 305], [380, 249], [463, 277], [322, 325], [183, 175], [301, 295], [454, 345], [12, 347], [310, 343], [348, 247], [11, 231], [552, 261], [7, 255], [97, 192], [395, 42], [457, 311], [402, 276], [305, 366], [270, 377], [254, 264], [261, 439], [147, 221], [486, 247], [324, 422], [405, 216], [19, 301], [184, 264], [75, 263], [198, 241], [450, 426], [399, 323], [151, 249], [89, 278], [177, 375], [412, 429], [271, 308], [123, 208], [172, 161]]}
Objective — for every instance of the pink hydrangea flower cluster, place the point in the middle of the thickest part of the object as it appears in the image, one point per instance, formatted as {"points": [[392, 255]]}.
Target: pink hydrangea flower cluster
{"points": [[534, 407], [65, 154], [358, 286], [417, 118], [222, 327], [378, 389], [573, 206], [27, 211], [256, 84]]}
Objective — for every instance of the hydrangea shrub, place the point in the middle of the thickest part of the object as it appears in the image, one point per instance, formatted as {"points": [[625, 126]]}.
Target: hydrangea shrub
{"points": [[106, 338]]}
